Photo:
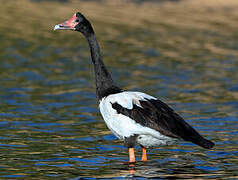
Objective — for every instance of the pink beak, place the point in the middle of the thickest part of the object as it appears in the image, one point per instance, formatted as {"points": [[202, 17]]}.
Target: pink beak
{"points": [[67, 25]]}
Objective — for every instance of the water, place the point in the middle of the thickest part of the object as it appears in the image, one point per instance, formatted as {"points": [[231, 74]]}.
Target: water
{"points": [[50, 124]]}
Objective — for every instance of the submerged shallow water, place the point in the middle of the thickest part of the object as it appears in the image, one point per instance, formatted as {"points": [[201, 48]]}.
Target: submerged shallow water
{"points": [[51, 127]]}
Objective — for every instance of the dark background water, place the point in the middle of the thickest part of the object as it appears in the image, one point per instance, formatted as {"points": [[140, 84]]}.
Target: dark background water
{"points": [[50, 123]]}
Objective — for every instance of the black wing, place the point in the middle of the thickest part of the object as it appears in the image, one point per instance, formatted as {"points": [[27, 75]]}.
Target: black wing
{"points": [[157, 115]]}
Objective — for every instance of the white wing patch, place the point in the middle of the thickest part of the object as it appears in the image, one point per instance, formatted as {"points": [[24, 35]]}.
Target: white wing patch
{"points": [[121, 125], [127, 99]]}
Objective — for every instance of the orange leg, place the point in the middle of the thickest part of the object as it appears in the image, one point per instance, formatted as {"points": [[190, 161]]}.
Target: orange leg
{"points": [[132, 158], [144, 157]]}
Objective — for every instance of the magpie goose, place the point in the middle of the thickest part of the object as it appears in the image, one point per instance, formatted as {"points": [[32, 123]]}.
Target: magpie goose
{"points": [[133, 117]]}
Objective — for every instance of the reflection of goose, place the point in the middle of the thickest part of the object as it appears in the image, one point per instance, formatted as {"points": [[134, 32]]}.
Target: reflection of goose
{"points": [[134, 117]]}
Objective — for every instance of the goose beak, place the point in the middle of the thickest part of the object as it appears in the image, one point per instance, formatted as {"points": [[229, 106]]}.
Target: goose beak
{"points": [[63, 27], [57, 27], [67, 25]]}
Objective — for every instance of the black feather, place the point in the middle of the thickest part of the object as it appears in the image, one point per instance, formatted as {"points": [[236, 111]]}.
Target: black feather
{"points": [[157, 115]]}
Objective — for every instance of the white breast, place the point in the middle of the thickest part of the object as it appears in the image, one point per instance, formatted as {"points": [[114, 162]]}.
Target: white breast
{"points": [[121, 125]]}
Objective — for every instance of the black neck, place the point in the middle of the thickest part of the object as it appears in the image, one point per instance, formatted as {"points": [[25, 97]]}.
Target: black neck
{"points": [[104, 83]]}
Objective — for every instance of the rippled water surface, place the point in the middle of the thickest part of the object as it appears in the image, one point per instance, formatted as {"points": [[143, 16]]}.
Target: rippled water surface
{"points": [[50, 125]]}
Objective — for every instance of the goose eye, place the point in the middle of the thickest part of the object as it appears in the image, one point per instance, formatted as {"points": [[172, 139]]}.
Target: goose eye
{"points": [[77, 20]]}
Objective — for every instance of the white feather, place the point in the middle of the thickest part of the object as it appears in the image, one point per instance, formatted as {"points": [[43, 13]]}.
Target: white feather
{"points": [[123, 126]]}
